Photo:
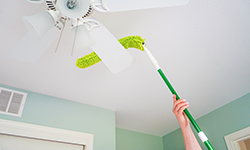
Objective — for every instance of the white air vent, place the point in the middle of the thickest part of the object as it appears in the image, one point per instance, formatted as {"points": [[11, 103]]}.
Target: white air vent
{"points": [[12, 102]]}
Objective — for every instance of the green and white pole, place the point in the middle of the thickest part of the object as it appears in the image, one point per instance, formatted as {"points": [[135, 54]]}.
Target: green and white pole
{"points": [[201, 134]]}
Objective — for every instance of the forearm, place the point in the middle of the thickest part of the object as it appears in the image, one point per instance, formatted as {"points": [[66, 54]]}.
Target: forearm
{"points": [[190, 140]]}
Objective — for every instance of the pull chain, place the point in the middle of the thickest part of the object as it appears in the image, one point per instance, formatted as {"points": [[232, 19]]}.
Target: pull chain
{"points": [[75, 37], [61, 34]]}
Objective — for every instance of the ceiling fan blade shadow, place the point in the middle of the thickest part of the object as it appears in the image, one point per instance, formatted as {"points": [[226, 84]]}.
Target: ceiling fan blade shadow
{"points": [[111, 52], [128, 5], [30, 49]]}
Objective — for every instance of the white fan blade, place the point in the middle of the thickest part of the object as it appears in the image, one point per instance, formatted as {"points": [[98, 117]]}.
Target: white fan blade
{"points": [[30, 49], [109, 49], [128, 5], [36, 1]]}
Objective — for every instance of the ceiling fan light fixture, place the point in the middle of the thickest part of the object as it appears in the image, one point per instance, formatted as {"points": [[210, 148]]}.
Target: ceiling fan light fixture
{"points": [[72, 4], [40, 23], [83, 38], [73, 8]]}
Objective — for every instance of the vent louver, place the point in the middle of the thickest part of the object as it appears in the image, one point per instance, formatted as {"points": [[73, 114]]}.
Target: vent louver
{"points": [[12, 102]]}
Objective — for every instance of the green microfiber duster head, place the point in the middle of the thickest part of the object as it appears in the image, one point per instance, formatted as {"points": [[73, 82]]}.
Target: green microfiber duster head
{"points": [[127, 42], [88, 60], [132, 42]]}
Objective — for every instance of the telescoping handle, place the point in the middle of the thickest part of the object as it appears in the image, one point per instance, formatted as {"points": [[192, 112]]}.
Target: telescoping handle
{"points": [[201, 134]]}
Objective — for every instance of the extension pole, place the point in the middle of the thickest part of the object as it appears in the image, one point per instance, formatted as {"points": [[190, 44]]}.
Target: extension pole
{"points": [[201, 134]]}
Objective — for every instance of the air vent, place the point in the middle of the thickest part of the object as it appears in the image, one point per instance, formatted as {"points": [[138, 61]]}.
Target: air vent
{"points": [[12, 102]]}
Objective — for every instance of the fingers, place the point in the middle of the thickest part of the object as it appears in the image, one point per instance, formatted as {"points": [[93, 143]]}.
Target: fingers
{"points": [[179, 105], [182, 106], [178, 109], [174, 97]]}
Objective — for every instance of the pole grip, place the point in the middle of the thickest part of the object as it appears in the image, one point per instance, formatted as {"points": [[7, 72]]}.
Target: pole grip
{"points": [[151, 57]]}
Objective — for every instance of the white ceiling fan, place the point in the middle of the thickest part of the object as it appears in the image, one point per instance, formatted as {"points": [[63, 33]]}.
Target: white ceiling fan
{"points": [[48, 25]]}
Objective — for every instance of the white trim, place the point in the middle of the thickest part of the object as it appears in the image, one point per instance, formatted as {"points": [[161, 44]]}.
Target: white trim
{"points": [[46, 133], [233, 139]]}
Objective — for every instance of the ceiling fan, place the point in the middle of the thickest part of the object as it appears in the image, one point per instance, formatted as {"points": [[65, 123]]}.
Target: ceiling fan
{"points": [[45, 27]]}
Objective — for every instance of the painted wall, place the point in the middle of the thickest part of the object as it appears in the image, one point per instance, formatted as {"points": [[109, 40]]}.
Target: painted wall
{"points": [[64, 114], [227, 119], [130, 140]]}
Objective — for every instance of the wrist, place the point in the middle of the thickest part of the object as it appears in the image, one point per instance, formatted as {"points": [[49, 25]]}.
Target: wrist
{"points": [[185, 126]]}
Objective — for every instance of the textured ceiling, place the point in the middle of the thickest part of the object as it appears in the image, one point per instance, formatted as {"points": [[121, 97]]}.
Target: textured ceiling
{"points": [[203, 48]]}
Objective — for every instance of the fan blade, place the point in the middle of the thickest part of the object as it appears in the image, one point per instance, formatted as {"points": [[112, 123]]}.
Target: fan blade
{"points": [[128, 5], [30, 49], [36, 1], [111, 52]]}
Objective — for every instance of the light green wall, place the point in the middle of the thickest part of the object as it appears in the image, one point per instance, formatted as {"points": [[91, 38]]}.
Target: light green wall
{"points": [[223, 121], [64, 114], [130, 140]]}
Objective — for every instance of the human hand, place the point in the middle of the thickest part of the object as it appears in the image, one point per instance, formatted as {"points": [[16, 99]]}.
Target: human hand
{"points": [[178, 109]]}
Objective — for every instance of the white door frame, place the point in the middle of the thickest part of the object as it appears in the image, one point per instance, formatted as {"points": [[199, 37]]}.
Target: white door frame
{"points": [[46, 133], [233, 138]]}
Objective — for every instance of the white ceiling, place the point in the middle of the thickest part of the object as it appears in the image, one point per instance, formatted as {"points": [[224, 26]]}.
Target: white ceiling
{"points": [[203, 48]]}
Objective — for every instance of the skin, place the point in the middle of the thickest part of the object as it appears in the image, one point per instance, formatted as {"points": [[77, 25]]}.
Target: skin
{"points": [[190, 141]]}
